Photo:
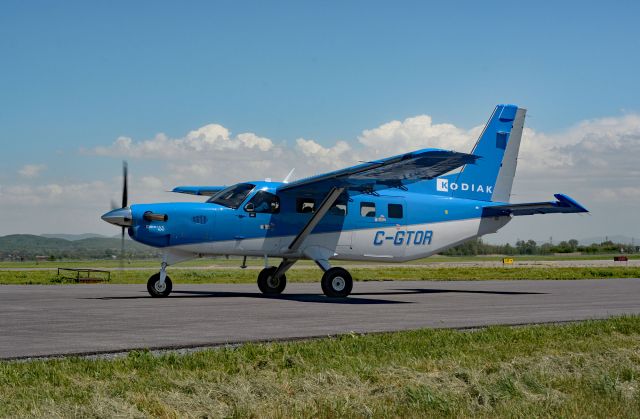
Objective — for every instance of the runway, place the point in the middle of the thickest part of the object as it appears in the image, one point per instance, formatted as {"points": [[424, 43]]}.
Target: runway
{"points": [[84, 319]]}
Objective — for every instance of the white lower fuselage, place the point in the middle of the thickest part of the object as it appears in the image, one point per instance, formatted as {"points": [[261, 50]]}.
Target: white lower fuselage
{"points": [[387, 243]]}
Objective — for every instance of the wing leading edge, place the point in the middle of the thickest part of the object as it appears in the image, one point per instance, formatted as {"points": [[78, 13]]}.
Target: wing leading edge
{"points": [[198, 190], [395, 171], [564, 204]]}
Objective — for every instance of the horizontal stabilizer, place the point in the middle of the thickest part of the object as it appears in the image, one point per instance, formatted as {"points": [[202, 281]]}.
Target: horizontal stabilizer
{"points": [[564, 204], [198, 190]]}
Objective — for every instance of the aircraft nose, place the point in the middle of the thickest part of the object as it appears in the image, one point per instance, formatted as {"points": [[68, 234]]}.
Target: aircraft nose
{"points": [[120, 217]]}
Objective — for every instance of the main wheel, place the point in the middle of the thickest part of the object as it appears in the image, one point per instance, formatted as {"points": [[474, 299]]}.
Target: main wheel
{"points": [[337, 282], [159, 290], [269, 284]]}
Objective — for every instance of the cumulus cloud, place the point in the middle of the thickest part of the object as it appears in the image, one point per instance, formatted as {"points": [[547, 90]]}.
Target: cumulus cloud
{"points": [[330, 157], [415, 133], [31, 170], [594, 161], [204, 141], [599, 146]]}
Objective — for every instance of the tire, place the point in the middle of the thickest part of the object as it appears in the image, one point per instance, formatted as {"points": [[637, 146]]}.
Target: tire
{"points": [[270, 285], [156, 291], [337, 283]]}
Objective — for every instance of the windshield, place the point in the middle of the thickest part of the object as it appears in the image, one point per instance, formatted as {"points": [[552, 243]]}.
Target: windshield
{"points": [[233, 196]]}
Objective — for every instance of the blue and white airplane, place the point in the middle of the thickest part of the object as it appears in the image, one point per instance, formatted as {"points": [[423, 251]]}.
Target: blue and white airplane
{"points": [[394, 209]]}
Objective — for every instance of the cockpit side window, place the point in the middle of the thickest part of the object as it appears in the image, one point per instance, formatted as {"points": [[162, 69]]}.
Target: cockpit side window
{"points": [[264, 202], [233, 196], [305, 205]]}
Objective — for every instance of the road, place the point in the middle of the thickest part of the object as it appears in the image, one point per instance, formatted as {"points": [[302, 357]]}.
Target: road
{"points": [[83, 319]]}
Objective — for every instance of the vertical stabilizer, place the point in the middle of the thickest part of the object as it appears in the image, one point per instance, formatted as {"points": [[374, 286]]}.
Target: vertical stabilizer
{"points": [[491, 177]]}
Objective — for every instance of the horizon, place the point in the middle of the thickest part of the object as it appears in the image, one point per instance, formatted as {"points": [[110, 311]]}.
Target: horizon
{"points": [[615, 238]]}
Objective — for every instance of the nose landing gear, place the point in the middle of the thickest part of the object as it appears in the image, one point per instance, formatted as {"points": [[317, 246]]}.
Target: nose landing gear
{"points": [[157, 288], [269, 283], [160, 285]]}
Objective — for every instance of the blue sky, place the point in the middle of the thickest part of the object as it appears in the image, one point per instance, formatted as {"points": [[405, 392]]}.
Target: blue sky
{"points": [[77, 75]]}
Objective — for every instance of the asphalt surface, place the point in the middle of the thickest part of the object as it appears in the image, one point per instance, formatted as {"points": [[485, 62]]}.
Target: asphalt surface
{"points": [[83, 319]]}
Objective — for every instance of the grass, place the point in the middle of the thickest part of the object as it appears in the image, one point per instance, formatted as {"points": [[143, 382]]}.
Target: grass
{"points": [[589, 369], [235, 261], [312, 274]]}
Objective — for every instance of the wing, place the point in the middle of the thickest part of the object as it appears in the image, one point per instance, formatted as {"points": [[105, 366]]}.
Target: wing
{"points": [[564, 204], [198, 190], [394, 171]]}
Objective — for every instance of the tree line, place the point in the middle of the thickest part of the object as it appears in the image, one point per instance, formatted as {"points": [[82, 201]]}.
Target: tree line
{"points": [[530, 247]]}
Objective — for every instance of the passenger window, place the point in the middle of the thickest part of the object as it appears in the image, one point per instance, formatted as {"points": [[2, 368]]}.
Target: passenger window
{"points": [[395, 211], [339, 209], [263, 202], [305, 205], [367, 209]]}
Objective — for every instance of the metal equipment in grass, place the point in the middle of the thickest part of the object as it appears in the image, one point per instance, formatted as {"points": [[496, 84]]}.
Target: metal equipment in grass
{"points": [[88, 278]]}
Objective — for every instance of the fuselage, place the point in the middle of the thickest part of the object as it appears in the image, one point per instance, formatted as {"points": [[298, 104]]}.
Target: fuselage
{"points": [[392, 225]]}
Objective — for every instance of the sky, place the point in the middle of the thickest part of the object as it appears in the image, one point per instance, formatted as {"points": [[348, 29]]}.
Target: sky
{"points": [[217, 92]]}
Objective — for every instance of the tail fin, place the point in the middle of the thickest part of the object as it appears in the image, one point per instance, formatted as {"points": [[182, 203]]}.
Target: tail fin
{"points": [[491, 177]]}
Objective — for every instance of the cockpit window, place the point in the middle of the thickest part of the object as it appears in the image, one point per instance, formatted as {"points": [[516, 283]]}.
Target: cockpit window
{"points": [[263, 201], [233, 196]]}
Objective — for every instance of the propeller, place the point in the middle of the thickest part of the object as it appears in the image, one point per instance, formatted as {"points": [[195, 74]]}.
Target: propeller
{"points": [[125, 201], [121, 216], [125, 185]]}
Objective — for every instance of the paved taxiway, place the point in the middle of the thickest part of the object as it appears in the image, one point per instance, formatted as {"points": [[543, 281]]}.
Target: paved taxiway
{"points": [[49, 320]]}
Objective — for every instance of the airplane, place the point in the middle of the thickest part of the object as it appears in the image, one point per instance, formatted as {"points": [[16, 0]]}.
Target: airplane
{"points": [[394, 209]]}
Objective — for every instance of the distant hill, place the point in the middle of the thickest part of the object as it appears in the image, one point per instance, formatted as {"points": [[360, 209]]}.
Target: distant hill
{"points": [[29, 246], [73, 237]]}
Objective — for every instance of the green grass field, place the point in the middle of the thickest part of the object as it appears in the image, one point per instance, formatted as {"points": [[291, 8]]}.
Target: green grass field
{"points": [[234, 261], [589, 369], [313, 274]]}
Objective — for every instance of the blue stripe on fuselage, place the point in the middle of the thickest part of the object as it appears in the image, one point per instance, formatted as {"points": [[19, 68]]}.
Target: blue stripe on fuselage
{"points": [[190, 223]]}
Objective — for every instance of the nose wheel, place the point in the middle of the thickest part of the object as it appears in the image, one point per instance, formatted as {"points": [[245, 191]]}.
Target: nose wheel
{"points": [[337, 283], [157, 288], [270, 284]]}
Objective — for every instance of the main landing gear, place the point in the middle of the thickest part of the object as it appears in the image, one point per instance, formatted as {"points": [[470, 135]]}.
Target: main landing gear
{"points": [[336, 282]]}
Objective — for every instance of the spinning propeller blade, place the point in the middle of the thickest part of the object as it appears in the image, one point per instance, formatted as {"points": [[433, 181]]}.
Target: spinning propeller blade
{"points": [[125, 201], [125, 192]]}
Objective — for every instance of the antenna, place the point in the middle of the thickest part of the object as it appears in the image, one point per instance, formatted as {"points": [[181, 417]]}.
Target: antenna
{"points": [[288, 177]]}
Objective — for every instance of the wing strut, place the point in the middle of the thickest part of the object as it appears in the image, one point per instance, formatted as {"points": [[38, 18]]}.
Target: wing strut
{"points": [[328, 201], [324, 207]]}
